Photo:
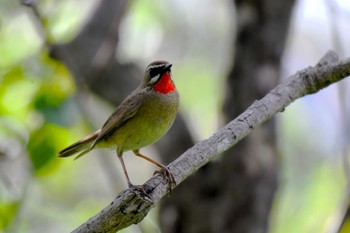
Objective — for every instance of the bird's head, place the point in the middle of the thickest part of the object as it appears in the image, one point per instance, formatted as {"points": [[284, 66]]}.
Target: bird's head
{"points": [[158, 77]]}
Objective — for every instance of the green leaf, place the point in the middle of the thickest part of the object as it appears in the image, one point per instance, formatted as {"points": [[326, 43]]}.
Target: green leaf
{"points": [[43, 146], [8, 212]]}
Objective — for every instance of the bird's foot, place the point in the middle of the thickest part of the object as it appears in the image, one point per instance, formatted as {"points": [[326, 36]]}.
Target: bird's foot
{"points": [[168, 175]]}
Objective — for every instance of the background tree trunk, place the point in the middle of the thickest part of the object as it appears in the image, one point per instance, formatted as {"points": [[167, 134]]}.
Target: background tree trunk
{"points": [[235, 194]]}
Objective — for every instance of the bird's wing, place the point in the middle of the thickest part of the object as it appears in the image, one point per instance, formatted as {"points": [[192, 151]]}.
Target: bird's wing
{"points": [[124, 112]]}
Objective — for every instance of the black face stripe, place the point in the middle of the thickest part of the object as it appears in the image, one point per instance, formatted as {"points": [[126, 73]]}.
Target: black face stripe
{"points": [[154, 71]]}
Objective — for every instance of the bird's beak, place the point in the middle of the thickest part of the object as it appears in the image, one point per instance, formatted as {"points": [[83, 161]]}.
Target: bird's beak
{"points": [[167, 68]]}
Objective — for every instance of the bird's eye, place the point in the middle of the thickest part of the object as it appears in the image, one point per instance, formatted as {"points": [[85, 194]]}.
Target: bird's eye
{"points": [[154, 71]]}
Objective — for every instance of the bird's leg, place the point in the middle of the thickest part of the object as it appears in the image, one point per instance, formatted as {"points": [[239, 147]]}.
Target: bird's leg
{"points": [[120, 157], [130, 185], [164, 170]]}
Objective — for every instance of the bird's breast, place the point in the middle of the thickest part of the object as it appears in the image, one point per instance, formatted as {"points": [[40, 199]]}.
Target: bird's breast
{"points": [[152, 120]]}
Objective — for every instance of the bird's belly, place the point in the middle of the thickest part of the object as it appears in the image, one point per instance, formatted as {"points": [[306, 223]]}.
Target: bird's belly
{"points": [[150, 123]]}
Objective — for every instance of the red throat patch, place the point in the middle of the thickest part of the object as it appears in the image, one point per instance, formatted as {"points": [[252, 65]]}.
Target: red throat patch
{"points": [[165, 85]]}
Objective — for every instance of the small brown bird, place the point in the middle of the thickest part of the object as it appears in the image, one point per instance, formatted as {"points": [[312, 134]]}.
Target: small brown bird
{"points": [[140, 120]]}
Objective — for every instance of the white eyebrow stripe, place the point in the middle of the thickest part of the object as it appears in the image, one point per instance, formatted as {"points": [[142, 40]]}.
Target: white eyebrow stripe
{"points": [[155, 66]]}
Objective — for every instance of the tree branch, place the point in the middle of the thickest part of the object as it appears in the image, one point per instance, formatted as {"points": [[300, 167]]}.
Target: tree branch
{"points": [[131, 205]]}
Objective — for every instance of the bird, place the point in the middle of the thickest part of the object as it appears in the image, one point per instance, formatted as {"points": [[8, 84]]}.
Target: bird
{"points": [[142, 118]]}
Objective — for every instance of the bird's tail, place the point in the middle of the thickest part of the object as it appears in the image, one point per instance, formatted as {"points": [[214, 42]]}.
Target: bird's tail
{"points": [[83, 146]]}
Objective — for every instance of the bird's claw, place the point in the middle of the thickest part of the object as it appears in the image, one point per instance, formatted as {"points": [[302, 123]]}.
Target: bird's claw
{"points": [[168, 175]]}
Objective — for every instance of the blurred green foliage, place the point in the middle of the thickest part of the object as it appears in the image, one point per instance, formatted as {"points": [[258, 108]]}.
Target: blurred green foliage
{"points": [[8, 210], [35, 100], [34, 95]]}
